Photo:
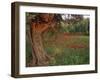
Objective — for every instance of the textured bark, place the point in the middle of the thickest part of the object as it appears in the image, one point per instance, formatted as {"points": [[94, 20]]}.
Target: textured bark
{"points": [[40, 57], [38, 26]]}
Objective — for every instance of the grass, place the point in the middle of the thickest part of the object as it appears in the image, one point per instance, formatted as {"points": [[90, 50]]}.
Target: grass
{"points": [[63, 49], [61, 52]]}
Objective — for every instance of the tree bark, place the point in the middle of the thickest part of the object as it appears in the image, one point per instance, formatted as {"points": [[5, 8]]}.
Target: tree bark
{"points": [[40, 57]]}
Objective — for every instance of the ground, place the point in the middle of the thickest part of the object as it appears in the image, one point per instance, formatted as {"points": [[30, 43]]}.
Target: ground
{"points": [[64, 49], [67, 49]]}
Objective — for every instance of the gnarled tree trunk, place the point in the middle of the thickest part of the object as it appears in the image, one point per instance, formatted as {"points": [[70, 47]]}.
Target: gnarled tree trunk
{"points": [[40, 54], [38, 26]]}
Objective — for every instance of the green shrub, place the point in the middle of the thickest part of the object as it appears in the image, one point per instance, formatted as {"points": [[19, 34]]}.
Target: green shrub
{"points": [[81, 26]]}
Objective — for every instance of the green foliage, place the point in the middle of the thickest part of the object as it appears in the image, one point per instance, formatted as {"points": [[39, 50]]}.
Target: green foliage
{"points": [[28, 50], [82, 27]]}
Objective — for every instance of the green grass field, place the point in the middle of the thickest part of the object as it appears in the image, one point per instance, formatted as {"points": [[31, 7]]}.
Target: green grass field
{"points": [[67, 49], [63, 49]]}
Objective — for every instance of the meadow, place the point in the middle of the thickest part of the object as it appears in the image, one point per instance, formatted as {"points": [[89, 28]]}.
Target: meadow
{"points": [[67, 49]]}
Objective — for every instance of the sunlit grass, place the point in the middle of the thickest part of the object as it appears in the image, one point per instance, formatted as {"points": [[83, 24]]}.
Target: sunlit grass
{"points": [[62, 54]]}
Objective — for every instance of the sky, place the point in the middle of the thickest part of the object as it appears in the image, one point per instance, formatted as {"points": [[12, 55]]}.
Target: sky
{"points": [[66, 16]]}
